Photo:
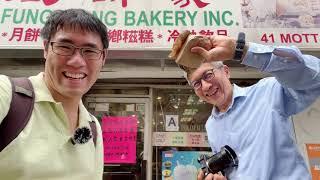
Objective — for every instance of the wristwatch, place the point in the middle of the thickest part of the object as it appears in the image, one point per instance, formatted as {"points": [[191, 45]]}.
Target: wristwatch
{"points": [[240, 44]]}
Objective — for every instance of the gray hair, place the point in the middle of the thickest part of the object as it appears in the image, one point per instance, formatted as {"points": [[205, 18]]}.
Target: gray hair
{"points": [[188, 71]]}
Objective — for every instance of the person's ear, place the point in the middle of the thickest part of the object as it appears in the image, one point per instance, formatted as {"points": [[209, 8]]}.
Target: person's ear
{"points": [[45, 48], [226, 70], [104, 58]]}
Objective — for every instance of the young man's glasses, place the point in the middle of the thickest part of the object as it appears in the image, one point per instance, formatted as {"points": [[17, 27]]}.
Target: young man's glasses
{"points": [[206, 76], [67, 49]]}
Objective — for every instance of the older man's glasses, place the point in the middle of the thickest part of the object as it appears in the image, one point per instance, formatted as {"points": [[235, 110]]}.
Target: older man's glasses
{"points": [[67, 49], [206, 76]]}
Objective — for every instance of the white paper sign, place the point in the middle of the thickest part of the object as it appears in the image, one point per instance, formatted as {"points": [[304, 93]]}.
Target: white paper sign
{"points": [[102, 107], [130, 108], [172, 123]]}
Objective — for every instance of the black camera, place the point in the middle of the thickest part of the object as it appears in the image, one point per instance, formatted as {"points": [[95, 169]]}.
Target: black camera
{"points": [[220, 161]]}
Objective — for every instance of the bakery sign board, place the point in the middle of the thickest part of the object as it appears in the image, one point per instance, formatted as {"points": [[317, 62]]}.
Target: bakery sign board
{"points": [[154, 24]]}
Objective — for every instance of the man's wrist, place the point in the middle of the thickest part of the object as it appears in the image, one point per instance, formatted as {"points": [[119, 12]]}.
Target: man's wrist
{"points": [[240, 47], [245, 50]]}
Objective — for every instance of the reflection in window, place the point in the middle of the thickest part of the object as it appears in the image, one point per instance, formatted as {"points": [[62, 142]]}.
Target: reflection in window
{"points": [[192, 112]]}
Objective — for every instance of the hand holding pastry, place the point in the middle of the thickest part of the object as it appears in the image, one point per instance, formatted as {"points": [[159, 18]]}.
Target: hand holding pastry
{"points": [[223, 48]]}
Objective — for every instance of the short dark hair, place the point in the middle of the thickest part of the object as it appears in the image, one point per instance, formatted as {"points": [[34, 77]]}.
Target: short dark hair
{"points": [[74, 18]]}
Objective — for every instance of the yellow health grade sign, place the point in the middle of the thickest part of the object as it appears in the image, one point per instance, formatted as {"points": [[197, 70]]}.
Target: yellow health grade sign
{"points": [[313, 151], [155, 24]]}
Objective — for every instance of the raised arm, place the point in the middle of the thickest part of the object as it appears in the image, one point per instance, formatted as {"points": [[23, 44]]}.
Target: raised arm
{"points": [[296, 73], [291, 68]]}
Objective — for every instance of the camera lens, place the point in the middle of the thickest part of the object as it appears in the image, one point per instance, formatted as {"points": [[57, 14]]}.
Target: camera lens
{"points": [[224, 159]]}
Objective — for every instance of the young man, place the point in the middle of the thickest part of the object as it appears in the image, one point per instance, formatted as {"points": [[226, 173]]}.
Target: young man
{"points": [[75, 48], [255, 121]]}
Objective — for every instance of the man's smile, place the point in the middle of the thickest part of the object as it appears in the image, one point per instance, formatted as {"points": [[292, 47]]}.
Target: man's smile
{"points": [[74, 75]]}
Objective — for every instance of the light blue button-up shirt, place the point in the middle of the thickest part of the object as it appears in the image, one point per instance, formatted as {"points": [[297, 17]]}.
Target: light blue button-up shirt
{"points": [[257, 123]]}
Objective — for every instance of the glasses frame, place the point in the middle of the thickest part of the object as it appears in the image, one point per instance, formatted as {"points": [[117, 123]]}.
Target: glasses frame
{"points": [[213, 70], [74, 50]]}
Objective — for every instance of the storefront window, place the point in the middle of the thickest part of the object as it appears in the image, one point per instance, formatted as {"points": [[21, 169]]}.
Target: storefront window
{"points": [[122, 115], [121, 112], [178, 132], [182, 104]]}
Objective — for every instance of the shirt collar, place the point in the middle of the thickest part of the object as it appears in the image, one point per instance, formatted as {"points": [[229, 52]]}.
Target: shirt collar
{"points": [[237, 93], [42, 93], [84, 116], [41, 90]]}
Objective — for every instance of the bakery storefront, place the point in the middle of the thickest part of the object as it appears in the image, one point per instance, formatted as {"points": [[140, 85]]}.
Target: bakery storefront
{"points": [[153, 123]]}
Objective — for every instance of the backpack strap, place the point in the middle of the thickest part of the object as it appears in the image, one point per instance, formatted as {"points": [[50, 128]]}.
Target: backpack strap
{"points": [[93, 127], [19, 112]]}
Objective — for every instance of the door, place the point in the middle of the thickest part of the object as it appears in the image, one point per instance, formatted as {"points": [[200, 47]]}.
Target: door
{"points": [[127, 107]]}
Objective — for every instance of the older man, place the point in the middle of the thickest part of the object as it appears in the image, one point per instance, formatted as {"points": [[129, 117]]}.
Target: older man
{"points": [[255, 121]]}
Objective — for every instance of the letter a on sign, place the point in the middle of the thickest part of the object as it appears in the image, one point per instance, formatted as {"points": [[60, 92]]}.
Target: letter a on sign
{"points": [[172, 123]]}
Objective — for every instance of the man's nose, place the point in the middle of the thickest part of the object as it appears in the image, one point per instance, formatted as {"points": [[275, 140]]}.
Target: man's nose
{"points": [[205, 85], [77, 58]]}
